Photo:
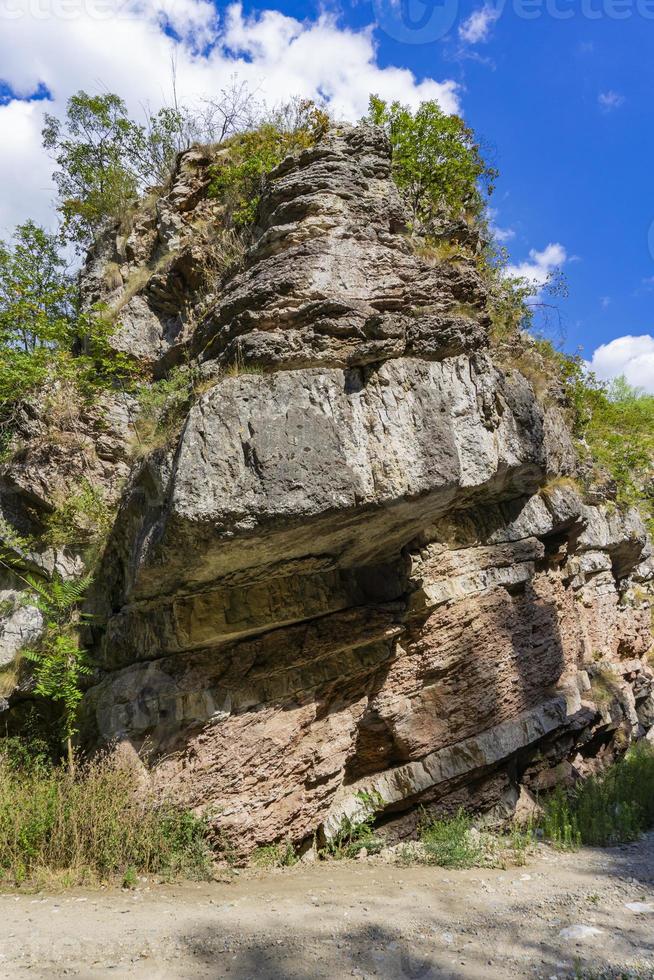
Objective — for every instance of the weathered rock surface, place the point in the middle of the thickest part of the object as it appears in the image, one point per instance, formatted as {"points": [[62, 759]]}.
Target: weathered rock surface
{"points": [[363, 566]]}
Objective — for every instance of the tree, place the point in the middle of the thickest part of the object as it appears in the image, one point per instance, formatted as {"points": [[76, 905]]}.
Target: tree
{"points": [[437, 164], [36, 312], [105, 159], [36, 293], [60, 662], [93, 149]]}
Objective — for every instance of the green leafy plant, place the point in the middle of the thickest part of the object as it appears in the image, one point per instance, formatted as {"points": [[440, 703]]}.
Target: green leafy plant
{"points": [[60, 662], [163, 406], [275, 856], [353, 835], [437, 163], [96, 824], [104, 158], [450, 842], [82, 517], [610, 808], [238, 177]]}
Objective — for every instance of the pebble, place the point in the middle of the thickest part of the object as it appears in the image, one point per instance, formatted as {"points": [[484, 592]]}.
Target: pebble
{"points": [[579, 932], [640, 908]]}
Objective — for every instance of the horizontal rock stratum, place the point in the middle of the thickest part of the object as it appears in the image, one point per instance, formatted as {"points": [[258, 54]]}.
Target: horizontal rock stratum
{"points": [[364, 565]]}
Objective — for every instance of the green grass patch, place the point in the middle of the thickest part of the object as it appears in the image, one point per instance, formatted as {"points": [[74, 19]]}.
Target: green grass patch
{"points": [[98, 824], [275, 856], [612, 808], [354, 835]]}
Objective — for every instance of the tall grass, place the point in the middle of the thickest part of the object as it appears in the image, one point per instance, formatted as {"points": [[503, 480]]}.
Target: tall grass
{"points": [[56, 827], [611, 808]]}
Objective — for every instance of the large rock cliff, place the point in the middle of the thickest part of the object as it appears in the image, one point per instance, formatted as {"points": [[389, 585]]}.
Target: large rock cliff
{"points": [[365, 564]]}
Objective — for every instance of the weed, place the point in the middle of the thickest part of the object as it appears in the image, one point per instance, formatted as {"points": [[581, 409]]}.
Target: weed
{"points": [[130, 877], [604, 686], [239, 367], [79, 519], [93, 825], [560, 825], [275, 856], [354, 835], [610, 808], [450, 842], [163, 406]]}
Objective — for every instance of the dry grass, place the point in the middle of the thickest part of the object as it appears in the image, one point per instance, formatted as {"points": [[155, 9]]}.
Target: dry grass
{"points": [[137, 280], [111, 276], [95, 825], [442, 251]]}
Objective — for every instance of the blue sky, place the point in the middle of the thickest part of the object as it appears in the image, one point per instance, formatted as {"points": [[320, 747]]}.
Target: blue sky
{"points": [[563, 103]]}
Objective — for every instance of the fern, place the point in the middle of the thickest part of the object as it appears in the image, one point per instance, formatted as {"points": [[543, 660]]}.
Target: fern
{"points": [[60, 663]]}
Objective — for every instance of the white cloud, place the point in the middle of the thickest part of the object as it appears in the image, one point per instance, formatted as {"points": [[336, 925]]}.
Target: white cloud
{"points": [[540, 265], [631, 356], [500, 235], [128, 46], [610, 100], [476, 29]]}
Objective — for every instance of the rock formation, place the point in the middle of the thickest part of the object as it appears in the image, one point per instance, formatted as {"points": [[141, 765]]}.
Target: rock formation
{"points": [[365, 565]]}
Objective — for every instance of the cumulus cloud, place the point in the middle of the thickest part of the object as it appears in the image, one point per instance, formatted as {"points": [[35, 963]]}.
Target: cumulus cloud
{"points": [[608, 101], [501, 235], [128, 46], [477, 27], [630, 356], [540, 265]]}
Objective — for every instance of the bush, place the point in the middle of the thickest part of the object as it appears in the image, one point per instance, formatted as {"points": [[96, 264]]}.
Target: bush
{"points": [[454, 842], [163, 406], [91, 826], [437, 163], [610, 808], [450, 842], [275, 856], [238, 179]]}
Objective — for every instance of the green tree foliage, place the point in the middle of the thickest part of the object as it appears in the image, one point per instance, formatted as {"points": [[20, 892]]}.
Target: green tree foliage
{"points": [[437, 163], [105, 159], [616, 424], [36, 312], [238, 178], [93, 150], [44, 336]]}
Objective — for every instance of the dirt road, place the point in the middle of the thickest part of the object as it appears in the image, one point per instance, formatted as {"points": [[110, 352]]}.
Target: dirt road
{"points": [[559, 914]]}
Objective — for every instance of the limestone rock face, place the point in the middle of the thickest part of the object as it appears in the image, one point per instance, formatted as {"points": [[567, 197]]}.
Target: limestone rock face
{"points": [[364, 565], [332, 279]]}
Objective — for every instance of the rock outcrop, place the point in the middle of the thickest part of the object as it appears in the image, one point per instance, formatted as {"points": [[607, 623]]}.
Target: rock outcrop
{"points": [[365, 564]]}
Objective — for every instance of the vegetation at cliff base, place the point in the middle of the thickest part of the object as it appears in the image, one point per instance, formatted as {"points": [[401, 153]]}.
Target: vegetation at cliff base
{"points": [[97, 824], [610, 808]]}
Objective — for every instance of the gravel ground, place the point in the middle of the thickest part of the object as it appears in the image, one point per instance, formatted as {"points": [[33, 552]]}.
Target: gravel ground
{"points": [[563, 915]]}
